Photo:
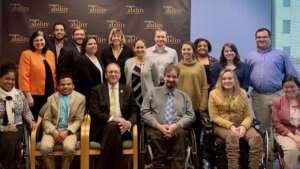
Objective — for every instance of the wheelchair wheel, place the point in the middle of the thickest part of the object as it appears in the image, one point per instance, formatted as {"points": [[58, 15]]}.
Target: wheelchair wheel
{"points": [[268, 151], [192, 160]]}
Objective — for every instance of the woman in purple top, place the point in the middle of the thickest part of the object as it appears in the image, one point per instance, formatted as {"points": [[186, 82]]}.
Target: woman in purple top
{"points": [[286, 121]]}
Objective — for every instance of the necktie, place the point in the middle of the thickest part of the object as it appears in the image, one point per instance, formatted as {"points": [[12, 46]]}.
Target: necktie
{"points": [[112, 100], [169, 109]]}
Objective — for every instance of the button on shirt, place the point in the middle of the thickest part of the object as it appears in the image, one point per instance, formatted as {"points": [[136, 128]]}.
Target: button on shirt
{"points": [[267, 69], [63, 110]]}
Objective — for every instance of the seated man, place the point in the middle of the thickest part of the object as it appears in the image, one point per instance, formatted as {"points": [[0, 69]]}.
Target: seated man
{"points": [[169, 112], [113, 113], [64, 112]]}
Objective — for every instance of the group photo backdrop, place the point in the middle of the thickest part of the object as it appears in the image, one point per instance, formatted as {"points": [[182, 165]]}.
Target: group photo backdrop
{"points": [[219, 21], [137, 19]]}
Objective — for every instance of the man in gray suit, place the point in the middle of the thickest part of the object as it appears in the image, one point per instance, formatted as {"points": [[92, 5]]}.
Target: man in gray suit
{"points": [[63, 116], [169, 113]]}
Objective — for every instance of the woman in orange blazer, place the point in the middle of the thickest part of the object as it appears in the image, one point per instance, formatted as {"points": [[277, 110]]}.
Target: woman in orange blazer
{"points": [[37, 77]]}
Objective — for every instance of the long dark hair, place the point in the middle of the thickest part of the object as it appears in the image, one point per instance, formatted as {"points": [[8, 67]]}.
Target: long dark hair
{"points": [[236, 60]]}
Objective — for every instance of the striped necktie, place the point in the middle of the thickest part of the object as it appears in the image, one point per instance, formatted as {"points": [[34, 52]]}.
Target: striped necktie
{"points": [[169, 109]]}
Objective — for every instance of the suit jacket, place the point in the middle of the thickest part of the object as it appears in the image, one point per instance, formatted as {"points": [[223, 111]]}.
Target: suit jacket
{"points": [[108, 57], [32, 72], [281, 115], [76, 109], [67, 58], [52, 47], [86, 75], [99, 107]]}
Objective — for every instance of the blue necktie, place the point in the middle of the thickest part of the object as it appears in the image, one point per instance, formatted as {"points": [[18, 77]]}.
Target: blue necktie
{"points": [[169, 109]]}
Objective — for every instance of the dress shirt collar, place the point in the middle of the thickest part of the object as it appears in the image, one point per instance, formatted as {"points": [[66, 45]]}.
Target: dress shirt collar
{"points": [[115, 86], [167, 90], [266, 51]]}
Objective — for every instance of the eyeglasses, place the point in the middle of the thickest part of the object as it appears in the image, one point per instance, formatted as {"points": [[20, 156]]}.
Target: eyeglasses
{"points": [[262, 37]]}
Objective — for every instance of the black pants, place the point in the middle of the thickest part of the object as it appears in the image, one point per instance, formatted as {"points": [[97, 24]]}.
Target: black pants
{"points": [[111, 156], [8, 145]]}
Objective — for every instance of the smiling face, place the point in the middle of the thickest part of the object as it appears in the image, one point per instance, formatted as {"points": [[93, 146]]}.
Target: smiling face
{"points": [[91, 46], [263, 40], [140, 49], [229, 54], [116, 39], [7, 81], [187, 52], [78, 36], [290, 88], [65, 86], [59, 32], [202, 48], [112, 74], [171, 79], [160, 38], [227, 81], [39, 43]]}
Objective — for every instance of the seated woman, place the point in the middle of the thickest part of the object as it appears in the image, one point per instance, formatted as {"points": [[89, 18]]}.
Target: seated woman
{"points": [[229, 109], [13, 107], [286, 121]]}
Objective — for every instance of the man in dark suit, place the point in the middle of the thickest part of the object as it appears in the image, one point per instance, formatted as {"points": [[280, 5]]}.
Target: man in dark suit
{"points": [[113, 113], [58, 40], [70, 53]]}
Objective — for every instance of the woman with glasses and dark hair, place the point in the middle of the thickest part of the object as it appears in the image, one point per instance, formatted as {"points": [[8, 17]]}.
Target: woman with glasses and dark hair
{"points": [[37, 72], [286, 121]]}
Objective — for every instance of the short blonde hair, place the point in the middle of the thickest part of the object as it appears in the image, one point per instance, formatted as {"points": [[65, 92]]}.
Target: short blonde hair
{"points": [[116, 31]]}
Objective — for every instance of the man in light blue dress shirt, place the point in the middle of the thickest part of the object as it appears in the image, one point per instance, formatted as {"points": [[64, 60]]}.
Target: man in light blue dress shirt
{"points": [[268, 66]]}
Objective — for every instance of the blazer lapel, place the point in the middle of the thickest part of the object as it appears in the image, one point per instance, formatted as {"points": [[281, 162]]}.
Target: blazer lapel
{"points": [[72, 100], [121, 97], [106, 94]]}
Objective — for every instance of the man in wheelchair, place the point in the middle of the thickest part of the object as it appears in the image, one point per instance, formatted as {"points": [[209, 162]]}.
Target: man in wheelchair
{"points": [[168, 112], [13, 109], [230, 112]]}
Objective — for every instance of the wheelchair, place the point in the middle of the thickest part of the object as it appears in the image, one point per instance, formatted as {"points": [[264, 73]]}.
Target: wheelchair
{"points": [[22, 157], [213, 154], [146, 155]]}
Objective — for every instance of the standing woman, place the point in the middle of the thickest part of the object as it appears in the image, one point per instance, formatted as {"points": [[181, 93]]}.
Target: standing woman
{"points": [[141, 73], [117, 51], [229, 109], [286, 121], [13, 108], [192, 80], [37, 72], [88, 69], [230, 58], [203, 47]]}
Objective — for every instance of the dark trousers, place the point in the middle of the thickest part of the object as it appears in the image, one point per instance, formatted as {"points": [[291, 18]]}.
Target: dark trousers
{"points": [[8, 145], [39, 101], [111, 156], [161, 148]]}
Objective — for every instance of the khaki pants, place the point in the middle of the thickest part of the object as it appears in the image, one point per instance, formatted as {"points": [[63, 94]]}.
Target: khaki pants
{"points": [[68, 145], [255, 143], [261, 102], [291, 151]]}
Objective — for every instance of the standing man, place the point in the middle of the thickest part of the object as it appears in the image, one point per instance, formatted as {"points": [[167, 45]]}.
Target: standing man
{"points": [[267, 66], [70, 53], [58, 40], [161, 54], [113, 113], [63, 116], [169, 113]]}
